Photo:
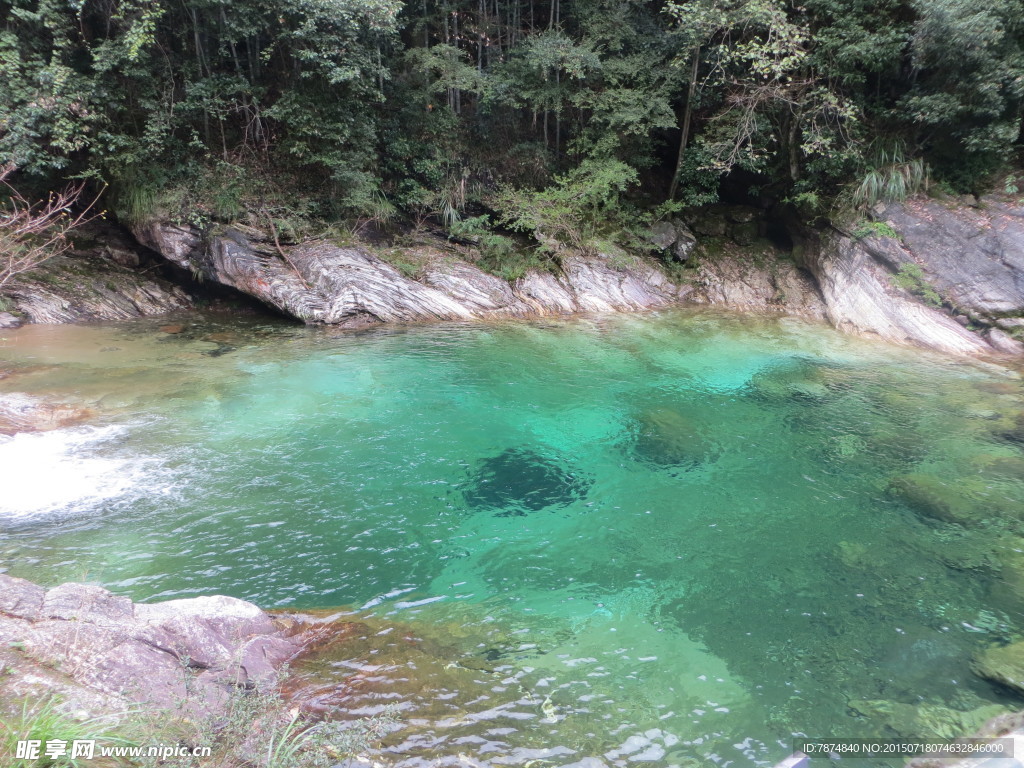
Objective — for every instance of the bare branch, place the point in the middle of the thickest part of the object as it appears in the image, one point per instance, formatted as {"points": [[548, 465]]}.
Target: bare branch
{"points": [[31, 234]]}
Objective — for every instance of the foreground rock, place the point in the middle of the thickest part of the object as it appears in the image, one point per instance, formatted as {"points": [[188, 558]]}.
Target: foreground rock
{"points": [[102, 653]]}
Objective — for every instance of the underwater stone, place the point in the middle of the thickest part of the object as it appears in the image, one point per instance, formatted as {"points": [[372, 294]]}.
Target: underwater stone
{"points": [[1015, 434], [800, 382], [931, 497], [670, 439], [1002, 664], [1011, 467], [519, 480], [925, 720], [1008, 589]]}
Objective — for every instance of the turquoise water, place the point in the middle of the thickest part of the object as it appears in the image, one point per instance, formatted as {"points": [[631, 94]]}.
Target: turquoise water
{"points": [[667, 539]]}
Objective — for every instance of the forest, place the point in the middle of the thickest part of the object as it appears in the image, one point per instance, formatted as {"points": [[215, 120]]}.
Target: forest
{"points": [[568, 120]]}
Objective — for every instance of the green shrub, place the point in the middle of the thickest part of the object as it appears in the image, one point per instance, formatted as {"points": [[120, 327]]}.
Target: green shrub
{"points": [[874, 229], [579, 206], [499, 254]]}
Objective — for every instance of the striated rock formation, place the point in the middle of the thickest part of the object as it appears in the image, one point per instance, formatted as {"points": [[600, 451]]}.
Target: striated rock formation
{"points": [[972, 256], [769, 284], [102, 652], [861, 298], [107, 278], [69, 290], [349, 286], [968, 264]]}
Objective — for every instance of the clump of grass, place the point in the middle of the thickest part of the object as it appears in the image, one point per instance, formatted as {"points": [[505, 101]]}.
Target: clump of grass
{"points": [[260, 728], [874, 229], [45, 721], [911, 278], [891, 178]]}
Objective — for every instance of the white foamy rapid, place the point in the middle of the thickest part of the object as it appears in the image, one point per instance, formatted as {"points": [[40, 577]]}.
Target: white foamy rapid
{"points": [[58, 472]]}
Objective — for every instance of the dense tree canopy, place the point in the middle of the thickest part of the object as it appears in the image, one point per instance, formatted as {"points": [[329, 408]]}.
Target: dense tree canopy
{"points": [[500, 110]]}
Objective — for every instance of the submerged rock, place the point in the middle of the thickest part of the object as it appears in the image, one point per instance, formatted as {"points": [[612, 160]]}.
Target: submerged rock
{"points": [[1009, 467], [519, 480], [1015, 434], [932, 497], [21, 413], [1002, 664], [1008, 587], [925, 720], [804, 382], [669, 438]]}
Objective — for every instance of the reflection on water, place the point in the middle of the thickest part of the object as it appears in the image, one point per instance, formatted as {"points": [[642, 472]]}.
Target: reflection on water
{"points": [[676, 539]]}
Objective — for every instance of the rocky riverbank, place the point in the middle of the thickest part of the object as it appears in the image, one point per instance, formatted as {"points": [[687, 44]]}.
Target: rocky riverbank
{"points": [[104, 654], [944, 275], [96, 655]]}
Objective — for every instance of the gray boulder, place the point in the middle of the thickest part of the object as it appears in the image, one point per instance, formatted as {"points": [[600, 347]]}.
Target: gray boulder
{"points": [[673, 238]]}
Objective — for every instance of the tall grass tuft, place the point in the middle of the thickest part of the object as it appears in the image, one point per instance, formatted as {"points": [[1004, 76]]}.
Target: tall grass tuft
{"points": [[45, 722], [891, 178]]}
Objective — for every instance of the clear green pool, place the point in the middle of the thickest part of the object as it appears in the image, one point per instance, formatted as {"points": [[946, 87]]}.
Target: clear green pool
{"points": [[668, 539]]}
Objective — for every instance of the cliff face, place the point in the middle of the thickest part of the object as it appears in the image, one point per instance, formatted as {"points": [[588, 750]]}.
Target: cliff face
{"points": [[941, 275], [863, 297], [968, 257]]}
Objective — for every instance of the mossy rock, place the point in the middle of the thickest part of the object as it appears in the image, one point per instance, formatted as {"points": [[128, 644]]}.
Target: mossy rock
{"points": [[925, 720], [1007, 589], [1003, 664], [932, 497], [999, 466], [669, 438], [1015, 434], [801, 382]]}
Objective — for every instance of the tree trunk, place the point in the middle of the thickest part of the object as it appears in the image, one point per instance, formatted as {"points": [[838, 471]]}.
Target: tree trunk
{"points": [[687, 117]]}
